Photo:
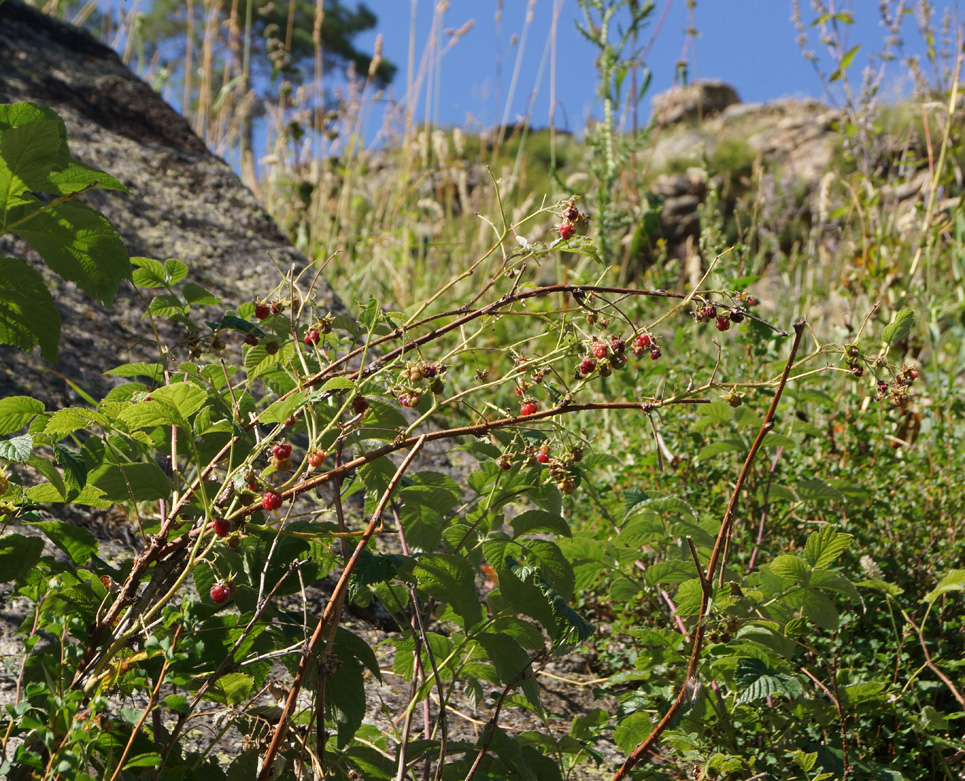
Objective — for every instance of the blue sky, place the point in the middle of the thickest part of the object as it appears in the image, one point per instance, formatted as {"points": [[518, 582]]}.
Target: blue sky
{"points": [[750, 44]]}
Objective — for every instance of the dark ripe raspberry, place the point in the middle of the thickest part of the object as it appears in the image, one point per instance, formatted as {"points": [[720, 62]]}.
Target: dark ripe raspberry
{"points": [[571, 213], [282, 451], [429, 370], [618, 361], [251, 339], [220, 526], [312, 337], [655, 353], [882, 386], [644, 341], [587, 366], [598, 349], [857, 371], [709, 312], [576, 454], [262, 312], [271, 347], [220, 593], [723, 323], [605, 369], [542, 457], [359, 405], [736, 316], [617, 345], [528, 408], [270, 501], [316, 459], [566, 230]]}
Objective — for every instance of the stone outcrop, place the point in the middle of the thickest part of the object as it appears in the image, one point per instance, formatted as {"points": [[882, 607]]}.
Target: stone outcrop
{"points": [[183, 202]]}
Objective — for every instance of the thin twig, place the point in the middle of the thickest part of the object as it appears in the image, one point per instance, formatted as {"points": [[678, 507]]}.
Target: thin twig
{"points": [[334, 601], [700, 627]]}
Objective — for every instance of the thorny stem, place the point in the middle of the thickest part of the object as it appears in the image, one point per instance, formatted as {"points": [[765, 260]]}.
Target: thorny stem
{"points": [[726, 525], [334, 603]]}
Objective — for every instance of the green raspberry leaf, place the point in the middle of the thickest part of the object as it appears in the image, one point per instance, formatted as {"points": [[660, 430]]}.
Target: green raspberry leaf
{"points": [[28, 314]]}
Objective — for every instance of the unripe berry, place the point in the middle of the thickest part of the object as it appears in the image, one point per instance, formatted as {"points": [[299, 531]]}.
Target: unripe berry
{"points": [[316, 459]]}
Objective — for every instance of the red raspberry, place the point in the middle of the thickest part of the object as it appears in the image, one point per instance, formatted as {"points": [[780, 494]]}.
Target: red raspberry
{"points": [[587, 366], [429, 370], [644, 341], [275, 307], [251, 339], [913, 373], [723, 323], [312, 337], [270, 501], [221, 592], [282, 451], [751, 301], [316, 459], [543, 457], [598, 349], [566, 230], [528, 408], [220, 526], [262, 312], [519, 391]]}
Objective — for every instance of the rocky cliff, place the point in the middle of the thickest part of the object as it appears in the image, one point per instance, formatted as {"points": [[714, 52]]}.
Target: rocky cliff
{"points": [[183, 202]]}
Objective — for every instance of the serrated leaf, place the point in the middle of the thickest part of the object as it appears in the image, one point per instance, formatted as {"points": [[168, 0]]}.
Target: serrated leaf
{"points": [[28, 314], [231, 689], [337, 383], [150, 414], [539, 521], [75, 468], [953, 581], [175, 270], [854, 694], [17, 411], [900, 327], [258, 362], [631, 731], [510, 661], [76, 541], [153, 371], [76, 176], [281, 410], [149, 273], [198, 296], [167, 305], [824, 546], [67, 421], [718, 447], [186, 397], [817, 491], [27, 155], [758, 681], [18, 555], [80, 245], [137, 481], [17, 449], [792, 568], [50, 493], [688, 597], [450, 579]]}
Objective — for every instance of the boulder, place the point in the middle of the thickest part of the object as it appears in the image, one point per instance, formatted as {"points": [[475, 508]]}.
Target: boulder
{"points": [[699, 100], [182, 202]]}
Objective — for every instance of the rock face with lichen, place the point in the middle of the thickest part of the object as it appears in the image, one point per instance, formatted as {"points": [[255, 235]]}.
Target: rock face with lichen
{"points": [[182, 202]]}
